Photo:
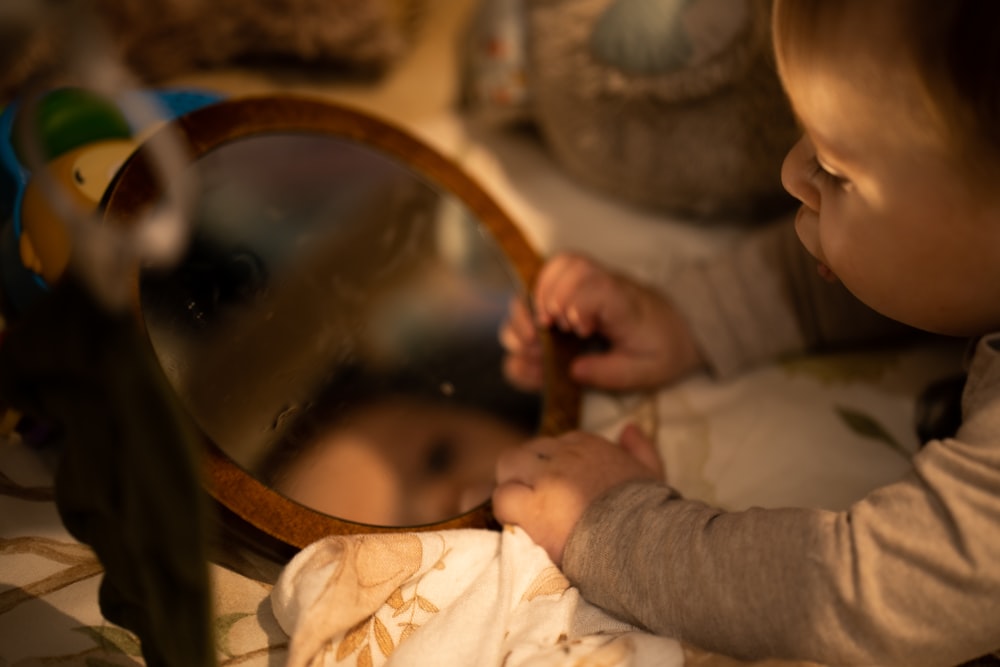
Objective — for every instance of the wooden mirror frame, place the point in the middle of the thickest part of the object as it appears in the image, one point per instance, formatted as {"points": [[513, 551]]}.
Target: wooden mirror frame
{"points": [[252, 514]]}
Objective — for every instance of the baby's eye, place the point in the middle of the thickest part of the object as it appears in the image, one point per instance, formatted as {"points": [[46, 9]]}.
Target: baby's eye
{"points": [[818, 171], [441, 455]]}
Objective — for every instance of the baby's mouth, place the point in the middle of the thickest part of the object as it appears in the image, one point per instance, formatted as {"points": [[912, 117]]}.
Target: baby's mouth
{"points": [[807, 228]]}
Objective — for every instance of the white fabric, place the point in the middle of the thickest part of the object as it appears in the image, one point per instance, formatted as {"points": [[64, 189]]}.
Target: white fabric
{"points": [[461, 597]]}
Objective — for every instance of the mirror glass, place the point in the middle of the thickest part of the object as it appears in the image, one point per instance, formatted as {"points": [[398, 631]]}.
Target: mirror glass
{"points": [[333, 329]]}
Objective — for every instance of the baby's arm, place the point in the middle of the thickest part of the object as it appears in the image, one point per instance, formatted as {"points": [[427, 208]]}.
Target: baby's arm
{"points": [[896, 580], [648, 342], [910, 575]]}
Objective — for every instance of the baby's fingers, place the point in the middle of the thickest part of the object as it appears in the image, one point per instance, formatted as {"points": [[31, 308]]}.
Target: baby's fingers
{"points": [[524, 373], [569, 294], [523, 464], [643, 449], [524, 363], [511, 502], [518, 332]]}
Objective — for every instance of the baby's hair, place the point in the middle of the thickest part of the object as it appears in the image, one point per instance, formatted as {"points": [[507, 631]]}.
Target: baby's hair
{"points": [[952, 45]]}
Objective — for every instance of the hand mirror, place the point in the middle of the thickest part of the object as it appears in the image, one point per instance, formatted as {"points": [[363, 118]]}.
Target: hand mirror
{"points": [[332, 328]]}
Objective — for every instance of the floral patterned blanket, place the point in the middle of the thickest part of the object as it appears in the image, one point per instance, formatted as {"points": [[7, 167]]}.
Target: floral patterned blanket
{"points": [[461, 597]]}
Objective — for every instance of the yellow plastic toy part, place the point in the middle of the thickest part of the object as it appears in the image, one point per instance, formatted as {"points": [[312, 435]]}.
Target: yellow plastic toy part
{"points": [[82, 175]]}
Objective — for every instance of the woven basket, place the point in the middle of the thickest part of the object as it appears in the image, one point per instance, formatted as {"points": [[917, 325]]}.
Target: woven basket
{"points": [[705, 140]]}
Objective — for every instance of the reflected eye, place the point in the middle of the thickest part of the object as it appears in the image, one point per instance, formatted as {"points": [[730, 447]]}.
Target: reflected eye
{"points": [[441, 455]]}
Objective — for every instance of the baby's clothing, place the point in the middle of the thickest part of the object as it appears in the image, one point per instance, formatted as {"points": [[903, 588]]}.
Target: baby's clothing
{"points": [[910, 575]]}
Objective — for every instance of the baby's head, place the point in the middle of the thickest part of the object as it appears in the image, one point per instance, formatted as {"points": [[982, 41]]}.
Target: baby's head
{"points": [[900, 159], [400, 460]]}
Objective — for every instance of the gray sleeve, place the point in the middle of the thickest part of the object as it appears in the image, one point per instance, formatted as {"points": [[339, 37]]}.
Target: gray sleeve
{"points": [[764, 300], [910, 575]]}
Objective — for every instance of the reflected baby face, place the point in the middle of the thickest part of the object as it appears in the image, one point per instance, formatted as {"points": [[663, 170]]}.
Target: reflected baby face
{"points": [[401, 461]]}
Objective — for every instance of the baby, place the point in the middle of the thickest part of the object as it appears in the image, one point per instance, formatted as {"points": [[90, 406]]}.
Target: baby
{"points": [[897, 173]]}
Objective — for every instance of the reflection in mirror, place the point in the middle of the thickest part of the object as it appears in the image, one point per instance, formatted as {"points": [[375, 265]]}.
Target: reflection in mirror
{"points": [[333, 329]]}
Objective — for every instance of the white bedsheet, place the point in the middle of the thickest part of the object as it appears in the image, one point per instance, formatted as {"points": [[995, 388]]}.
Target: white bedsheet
{"points": [[459, 597]]}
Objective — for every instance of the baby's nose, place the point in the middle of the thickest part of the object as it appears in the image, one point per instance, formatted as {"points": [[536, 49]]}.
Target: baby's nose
{"points": [[796, 174]]}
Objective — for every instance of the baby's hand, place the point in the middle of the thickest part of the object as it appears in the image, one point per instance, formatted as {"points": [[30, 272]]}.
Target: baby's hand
{"points": [[522, 364], [649, 343], [545, 485]]}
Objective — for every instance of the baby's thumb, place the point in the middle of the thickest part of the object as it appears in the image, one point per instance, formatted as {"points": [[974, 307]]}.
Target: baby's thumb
{"points": [[635, 442]]}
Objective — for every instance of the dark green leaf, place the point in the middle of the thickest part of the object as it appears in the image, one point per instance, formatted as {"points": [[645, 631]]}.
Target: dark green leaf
{"points": [[868, 427]]}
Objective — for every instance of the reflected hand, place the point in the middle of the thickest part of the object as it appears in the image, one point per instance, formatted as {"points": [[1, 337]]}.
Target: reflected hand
{"points": [[546, 485], [649, 343]]}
